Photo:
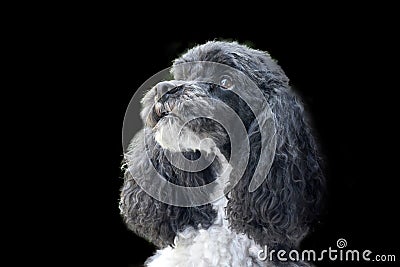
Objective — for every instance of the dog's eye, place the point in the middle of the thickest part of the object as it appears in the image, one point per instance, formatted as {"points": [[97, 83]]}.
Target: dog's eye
{"points": [[226, 82]]}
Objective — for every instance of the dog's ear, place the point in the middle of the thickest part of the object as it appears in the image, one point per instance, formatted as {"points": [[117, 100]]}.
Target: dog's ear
{"points": [[143, 214], [279, 212], [155, 221]]}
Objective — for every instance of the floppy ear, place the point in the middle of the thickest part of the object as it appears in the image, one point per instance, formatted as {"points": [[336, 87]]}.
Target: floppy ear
{"points": [[143, 214], [280, 212], [149, 218]]}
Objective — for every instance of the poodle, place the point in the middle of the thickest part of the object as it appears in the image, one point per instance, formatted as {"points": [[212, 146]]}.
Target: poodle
{"points": [[226, 163]]}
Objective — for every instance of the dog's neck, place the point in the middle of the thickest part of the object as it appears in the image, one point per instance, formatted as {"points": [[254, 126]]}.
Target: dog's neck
{"points": [[217, 245]]}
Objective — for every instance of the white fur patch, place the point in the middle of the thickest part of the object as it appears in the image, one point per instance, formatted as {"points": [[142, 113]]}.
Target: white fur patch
{"points": [[171, 135], [215, 246]]}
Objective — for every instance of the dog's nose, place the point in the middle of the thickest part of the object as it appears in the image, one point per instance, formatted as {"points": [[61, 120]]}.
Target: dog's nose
{"points": [[166, 87]]}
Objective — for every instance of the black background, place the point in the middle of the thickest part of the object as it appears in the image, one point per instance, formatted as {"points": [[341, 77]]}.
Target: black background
{"points": [[340, 64]]}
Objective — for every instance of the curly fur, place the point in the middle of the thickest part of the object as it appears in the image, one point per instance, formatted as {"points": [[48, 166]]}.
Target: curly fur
{"points": [[278, 214]]}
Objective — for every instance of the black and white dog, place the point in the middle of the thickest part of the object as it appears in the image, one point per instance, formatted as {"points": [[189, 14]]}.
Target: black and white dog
{"points": [[227, 229]]}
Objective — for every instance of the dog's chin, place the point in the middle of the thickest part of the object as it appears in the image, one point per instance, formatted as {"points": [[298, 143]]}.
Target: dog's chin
{"points": [[172, 135]]}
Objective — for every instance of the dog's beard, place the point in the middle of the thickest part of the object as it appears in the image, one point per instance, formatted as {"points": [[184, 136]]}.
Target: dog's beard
{"points": [[185, 123], [173, 135], [200, 134]]}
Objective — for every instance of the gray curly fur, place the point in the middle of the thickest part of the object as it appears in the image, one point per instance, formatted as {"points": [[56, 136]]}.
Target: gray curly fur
{"points": [[280, 212]]}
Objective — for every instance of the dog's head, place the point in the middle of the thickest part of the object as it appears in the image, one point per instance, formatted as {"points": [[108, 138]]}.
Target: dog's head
{"points": [[209, 82]]}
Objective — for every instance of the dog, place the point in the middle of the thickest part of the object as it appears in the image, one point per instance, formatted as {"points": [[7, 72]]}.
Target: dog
{"points": [[262, 189]]}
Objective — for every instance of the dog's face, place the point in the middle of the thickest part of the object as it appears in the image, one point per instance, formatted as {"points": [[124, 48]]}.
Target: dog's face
{"points": [[182, 112]]}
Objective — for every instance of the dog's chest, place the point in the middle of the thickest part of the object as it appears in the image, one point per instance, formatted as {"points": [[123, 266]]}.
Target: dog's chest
{"points": [[215, 246]]}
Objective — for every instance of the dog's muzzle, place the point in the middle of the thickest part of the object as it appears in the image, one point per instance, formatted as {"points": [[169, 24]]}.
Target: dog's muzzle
{"points": [[166, 97], [170, 94], [167, 88]]}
